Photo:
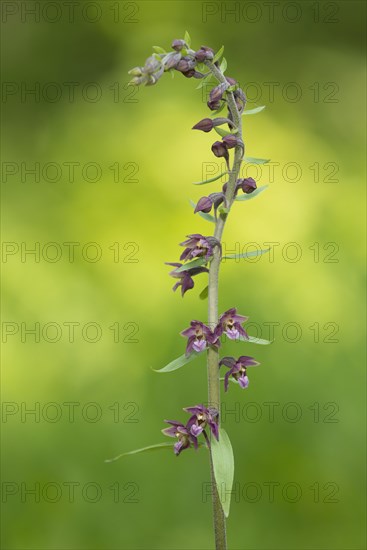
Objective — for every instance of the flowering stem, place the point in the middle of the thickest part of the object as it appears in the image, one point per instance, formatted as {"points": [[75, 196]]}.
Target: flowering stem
{"points": [[213, 355]]}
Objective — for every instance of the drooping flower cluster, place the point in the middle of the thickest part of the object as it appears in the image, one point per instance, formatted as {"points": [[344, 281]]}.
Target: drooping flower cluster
{"points": [[196, 247], [187, 434]]}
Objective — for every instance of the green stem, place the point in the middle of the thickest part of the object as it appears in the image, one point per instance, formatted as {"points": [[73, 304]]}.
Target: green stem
{"points": [[213, 355]]}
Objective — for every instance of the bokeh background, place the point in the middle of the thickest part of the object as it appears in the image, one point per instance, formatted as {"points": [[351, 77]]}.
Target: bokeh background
{"points": [[311, 451]]}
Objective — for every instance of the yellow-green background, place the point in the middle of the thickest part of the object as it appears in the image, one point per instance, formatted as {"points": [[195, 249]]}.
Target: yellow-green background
{"points": [[154, 132]]}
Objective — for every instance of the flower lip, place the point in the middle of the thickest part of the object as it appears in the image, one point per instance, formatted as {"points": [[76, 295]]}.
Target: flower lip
{"points": [[230, 323], [199, 337]]}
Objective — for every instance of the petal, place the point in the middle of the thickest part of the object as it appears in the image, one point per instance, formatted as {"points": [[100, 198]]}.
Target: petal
{"points": [[227, 361]]}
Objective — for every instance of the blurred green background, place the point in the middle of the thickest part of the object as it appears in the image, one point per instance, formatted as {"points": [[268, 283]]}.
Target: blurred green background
{"points": [[311, 451]]}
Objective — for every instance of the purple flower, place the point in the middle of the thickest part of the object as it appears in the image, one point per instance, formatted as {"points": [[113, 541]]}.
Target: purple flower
{"points": [[198, 246], [230, 324], [185, 277], [202, 417], [205, 204], [185, 439], [199, 337], [237, 369]]}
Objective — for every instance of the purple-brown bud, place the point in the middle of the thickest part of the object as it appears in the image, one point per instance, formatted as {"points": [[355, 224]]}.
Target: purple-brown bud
{"points": [[217, 93], [204, 54], [231, 81], [185, 65], [230, 140], [172, 60], [204, 125], [178, 45], [220, 149], [248, 185]]}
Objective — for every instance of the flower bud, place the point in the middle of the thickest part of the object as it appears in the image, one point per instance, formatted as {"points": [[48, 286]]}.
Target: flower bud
{"points": [[204, 54], [185, 65], [136, 71], [205, 125], [204, 205], [230, 140], [231, 81], [217, 93], [191, 73], [178, 45], [220, 149], [248, 185], [214, 105], [172, 60]]}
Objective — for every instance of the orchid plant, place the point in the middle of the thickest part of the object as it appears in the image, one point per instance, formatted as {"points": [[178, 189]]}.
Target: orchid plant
{"points": [[203, 254]]}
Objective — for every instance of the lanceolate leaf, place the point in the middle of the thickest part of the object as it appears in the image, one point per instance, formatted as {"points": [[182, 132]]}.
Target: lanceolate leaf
{"points": [[254, 111], [223, 132], [250, 254], [158, 49], [253, 160], [205, 81], [223, 464], [223, 65], [252, 195], [187, 39], [208, 217], [204, 293], [254, 340], [156, 447], [198, 262], [211, 179], [218, 55], [179, 362]]}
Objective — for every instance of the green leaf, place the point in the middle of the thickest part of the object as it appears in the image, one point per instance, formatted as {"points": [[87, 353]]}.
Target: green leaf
{"points": [[223, 65], [210, 180], [198, 262], [179, 362], [204, 293], [253, 160], [158, 49], [254, 340], [143, 450], [204, 81], [254, 111], [187, 39], [252, 195], [250, 254], [208, 217], [223, 465], [218, 55], [223, 132]]}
